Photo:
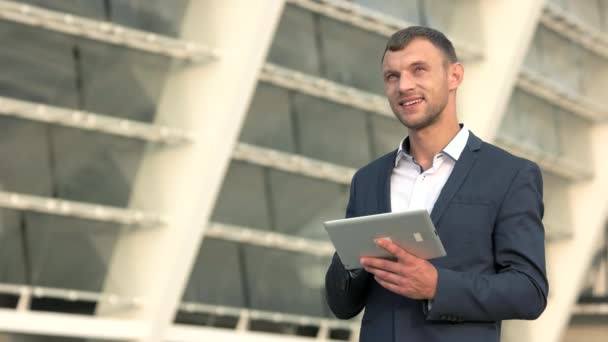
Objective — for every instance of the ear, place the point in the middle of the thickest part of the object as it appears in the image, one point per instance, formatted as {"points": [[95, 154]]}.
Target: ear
{"points": [[455, 75]]}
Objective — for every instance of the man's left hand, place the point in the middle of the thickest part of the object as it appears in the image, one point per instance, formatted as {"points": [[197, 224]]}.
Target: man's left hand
{"points": [[409, 276]]}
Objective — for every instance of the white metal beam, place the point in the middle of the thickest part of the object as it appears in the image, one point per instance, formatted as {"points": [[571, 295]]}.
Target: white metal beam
{"points": [[270, 316], [104, 32], [68, 325], [89, 121], [95, 212], [372, 20], [557, 165], [591, 309], [325, 89], [269, 239], [184, 333], [26, 292], [293, 163], [575, 29], [183, 183], [533, 83]]}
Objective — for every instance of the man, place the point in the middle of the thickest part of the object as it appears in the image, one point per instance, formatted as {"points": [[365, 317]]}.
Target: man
{"points": [[485, 203]]}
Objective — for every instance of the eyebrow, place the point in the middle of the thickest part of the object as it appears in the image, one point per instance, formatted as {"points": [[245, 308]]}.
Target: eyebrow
{"points": [[413, 64], [390, 72], [419, 63]]}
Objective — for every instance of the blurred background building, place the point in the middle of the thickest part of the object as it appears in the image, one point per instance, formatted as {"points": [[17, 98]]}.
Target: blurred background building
{"points": [[165, 166]]}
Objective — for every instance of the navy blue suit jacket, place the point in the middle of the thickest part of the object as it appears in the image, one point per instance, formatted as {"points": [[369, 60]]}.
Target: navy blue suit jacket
{"points": [[489, 217]]}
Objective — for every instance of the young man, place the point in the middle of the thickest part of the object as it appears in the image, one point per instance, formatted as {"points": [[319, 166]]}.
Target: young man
{"points": [[485, 203]]}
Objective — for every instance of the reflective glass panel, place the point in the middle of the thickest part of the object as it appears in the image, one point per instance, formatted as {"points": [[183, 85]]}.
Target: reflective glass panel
{"points": [[217, 275], [38, 67], [574, 138], [295, 45], [269, 120], [156, 16], [558, 222], [26, 148], [594, 78], [458, 19], [94, 9], [532, 123], [6, 337], [331, 132], [534, 55], [301, 204], [387, 133], [55, 251], [160, 16], [561, 60], [407, 10], [284, 281], [587, 11], [351, 56], [243, 200], [121, 82]]}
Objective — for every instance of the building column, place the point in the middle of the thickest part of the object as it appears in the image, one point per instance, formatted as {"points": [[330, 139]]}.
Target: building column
{"points": [[507, 28], [210, 101]]}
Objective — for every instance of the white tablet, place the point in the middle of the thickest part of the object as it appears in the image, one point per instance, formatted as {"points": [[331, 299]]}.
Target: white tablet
{"points": [[413, 230]]}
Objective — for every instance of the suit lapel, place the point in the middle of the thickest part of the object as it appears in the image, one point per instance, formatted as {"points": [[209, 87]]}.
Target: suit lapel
{"points": [[384, 183], [461, 170]]}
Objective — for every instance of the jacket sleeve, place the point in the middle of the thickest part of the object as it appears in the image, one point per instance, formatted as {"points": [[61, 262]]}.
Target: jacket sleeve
{"points": [[346, 291], [519, 288]]}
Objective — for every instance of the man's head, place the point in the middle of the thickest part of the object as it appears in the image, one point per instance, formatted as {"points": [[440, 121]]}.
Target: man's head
{"points": [[421, 74]]}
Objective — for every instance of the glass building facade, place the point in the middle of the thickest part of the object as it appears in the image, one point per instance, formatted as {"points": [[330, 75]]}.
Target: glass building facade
{"points": [[54, 161]]}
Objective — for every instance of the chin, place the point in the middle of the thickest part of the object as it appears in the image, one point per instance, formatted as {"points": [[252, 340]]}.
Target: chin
{"points": [[417, 124]]}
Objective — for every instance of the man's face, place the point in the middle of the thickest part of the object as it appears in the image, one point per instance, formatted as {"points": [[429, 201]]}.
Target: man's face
{"points": [[416, 83]]}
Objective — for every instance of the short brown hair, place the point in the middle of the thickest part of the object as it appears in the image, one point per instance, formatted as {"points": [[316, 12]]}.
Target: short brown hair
{"points": [[403, 37]]}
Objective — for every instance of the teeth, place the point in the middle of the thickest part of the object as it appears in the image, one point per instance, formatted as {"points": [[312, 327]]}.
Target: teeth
{"points": [[409, 103]]}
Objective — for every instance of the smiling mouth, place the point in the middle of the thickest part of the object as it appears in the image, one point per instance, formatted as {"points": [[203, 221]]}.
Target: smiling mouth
{"points": [[409, 103]]}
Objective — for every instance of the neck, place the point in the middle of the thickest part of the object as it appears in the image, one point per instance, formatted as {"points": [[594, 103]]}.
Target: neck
{"points": [[427, 142]]}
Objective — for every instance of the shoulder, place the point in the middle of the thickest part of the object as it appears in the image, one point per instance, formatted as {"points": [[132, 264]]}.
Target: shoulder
{"points": [[376, 167], [494, 155], [501, 163]]}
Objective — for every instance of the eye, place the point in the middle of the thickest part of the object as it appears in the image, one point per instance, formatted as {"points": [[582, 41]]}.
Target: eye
{"points": [[419, 69], [391, 77]]}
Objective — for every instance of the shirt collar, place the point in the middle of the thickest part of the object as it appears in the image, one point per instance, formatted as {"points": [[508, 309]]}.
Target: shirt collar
{"points": [[453, 149]]}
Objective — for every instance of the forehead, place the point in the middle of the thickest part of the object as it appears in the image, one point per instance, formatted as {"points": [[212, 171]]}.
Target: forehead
{"points": [[418, 50]]}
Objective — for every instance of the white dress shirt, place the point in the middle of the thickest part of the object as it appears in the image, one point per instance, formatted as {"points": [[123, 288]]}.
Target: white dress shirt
{"points": [[412, 188]]}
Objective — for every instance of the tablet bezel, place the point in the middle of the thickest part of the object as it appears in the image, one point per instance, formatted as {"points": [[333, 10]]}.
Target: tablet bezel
{"points": [[412, 230]]}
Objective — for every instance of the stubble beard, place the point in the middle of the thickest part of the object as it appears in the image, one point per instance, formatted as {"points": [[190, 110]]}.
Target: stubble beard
{"points": [[431, 116]]}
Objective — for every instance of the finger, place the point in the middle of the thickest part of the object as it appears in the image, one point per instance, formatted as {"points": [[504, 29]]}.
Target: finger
{"points": [[390, 286], [382, 264], [394, 249], [386, 276]]}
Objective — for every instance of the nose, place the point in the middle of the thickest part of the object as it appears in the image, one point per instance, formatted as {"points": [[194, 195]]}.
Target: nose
{"points": [[406, 83]]}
